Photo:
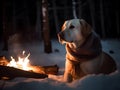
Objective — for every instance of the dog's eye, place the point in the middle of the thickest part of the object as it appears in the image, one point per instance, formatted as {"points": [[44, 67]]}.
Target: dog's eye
{"points": [[71, 27]]}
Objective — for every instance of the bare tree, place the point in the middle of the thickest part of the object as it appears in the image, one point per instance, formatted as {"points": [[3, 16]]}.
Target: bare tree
{"points": [[4, 23], [92, 12], [55, 16], [74, 8], [27, 21], [14, 17], [80, 9], [46, 31], [38, 19], [117, 19], [117, 23], [65, 9], [102, 19]]}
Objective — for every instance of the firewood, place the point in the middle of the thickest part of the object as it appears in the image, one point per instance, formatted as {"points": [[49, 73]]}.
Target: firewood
{"points": [[53, 69], [35, 71], [11, 72], [3, 61]]}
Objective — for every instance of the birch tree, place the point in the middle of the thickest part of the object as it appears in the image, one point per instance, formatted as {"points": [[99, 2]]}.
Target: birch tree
{"points": [[46, 31], [74, 8]]}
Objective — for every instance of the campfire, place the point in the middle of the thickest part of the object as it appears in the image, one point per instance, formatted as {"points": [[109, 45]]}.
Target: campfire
{"points": [[22, 63], [23, 68]]}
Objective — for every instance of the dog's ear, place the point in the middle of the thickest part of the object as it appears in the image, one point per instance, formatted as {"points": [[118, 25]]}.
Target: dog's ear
{"points": [[86, 29]]}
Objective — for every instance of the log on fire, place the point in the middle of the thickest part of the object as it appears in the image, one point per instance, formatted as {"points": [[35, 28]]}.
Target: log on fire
{"points": [[7, 72], [34, 72], [11, 72], [53, 69]]}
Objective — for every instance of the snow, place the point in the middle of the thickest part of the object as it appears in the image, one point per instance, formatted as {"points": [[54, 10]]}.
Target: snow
{"points": [[55, 82]]}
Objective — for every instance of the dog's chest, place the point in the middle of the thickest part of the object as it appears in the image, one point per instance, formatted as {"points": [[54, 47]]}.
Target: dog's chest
{"points": [[90, 49]]}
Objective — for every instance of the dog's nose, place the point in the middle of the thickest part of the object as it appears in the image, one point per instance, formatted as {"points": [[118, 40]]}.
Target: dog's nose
{"points": [[61, 35]]}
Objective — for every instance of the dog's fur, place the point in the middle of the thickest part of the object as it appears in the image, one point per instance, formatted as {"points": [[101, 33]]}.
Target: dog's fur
{"points": [[84, 51]]}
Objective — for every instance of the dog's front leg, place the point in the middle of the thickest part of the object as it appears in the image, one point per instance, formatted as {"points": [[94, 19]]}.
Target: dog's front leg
{"points": [[67, 74]]}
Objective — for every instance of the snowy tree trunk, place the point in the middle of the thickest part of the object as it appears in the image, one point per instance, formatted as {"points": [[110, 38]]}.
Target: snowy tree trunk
{"points": [[74, 9], [38, 19], [92, 12], [102, 19], [55, 16], [46, 31]]}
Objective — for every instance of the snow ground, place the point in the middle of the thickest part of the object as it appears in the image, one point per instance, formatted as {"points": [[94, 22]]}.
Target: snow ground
{"points": [[38, 57]]}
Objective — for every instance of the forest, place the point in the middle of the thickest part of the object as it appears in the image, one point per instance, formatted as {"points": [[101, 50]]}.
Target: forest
{"points": [[26, 17]]}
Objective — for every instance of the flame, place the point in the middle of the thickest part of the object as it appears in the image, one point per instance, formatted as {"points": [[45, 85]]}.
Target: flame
{"points": [[22, 63]]}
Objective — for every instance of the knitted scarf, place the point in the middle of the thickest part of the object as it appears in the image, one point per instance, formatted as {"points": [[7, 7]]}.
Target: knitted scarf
{"points": [[90, 49]]}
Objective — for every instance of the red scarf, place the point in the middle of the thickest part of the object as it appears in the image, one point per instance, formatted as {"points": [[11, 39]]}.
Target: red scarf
{"points": [[90, 49]]}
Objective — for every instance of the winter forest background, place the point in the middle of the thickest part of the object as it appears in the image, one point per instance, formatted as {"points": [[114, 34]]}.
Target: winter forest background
{"points": [[26, 18]]}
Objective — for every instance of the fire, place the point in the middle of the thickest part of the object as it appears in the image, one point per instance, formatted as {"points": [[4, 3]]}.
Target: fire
{"points": [[21, 63]]}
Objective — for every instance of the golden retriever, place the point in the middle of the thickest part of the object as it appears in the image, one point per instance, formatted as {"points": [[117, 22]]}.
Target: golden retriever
{"points": [[84, 53]]}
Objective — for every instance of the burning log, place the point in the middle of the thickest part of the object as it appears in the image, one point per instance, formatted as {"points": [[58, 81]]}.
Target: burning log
{"points": [[8, 72], [53, 69], [11, 72], [36, 72]]}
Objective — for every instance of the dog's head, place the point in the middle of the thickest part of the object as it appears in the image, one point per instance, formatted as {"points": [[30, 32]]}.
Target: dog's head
{"points": [[74, 30]]}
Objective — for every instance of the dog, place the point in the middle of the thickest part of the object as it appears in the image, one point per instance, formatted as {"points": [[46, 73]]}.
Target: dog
{"points": [[84, 53]]}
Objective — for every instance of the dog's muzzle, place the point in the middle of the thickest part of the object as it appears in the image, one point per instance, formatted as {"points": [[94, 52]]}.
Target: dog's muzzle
{"points": [[61, 37]]}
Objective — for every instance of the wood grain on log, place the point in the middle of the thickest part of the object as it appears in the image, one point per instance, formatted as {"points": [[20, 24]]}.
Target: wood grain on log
{"points": [[11, 72], [53, 69], [35, 71]]}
